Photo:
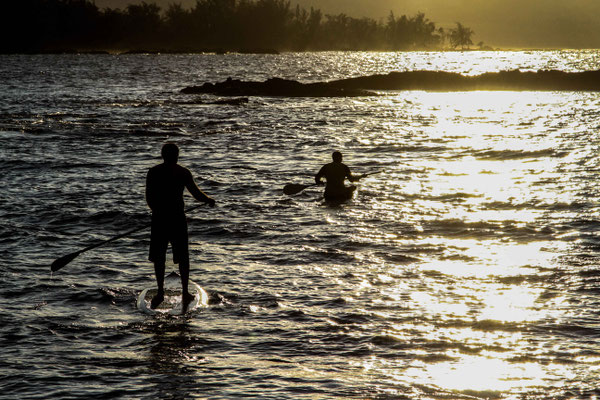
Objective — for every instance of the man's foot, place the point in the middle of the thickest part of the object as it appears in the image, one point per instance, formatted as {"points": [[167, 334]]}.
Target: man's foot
{"points": [[186, 299], [156, 300]]}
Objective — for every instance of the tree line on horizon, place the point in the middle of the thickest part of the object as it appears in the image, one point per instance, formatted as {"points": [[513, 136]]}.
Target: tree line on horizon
{"points": [[212, 25]]}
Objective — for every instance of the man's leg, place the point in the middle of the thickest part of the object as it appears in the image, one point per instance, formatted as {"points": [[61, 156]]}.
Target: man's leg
{"points": [[181, 256], [186, 296], [184, 272], [159, 242], [159, 271]]}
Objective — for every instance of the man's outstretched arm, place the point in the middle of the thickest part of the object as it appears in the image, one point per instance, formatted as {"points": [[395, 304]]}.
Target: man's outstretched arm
{"points": [[352, 178], [150, 192], [197, 193]]}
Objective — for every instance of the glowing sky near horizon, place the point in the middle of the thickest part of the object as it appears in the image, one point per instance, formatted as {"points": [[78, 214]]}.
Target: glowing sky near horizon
{"points": [[499, 23]]}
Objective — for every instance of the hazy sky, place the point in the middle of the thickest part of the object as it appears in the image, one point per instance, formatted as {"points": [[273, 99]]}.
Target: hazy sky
{"points": [[502, 23]]}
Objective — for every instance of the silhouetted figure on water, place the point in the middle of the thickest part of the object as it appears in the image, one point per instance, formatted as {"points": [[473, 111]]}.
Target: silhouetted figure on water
{"points": [[335, 174], [164, 194]]}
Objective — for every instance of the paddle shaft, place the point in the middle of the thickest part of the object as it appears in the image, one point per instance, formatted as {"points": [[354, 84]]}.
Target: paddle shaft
{"points": [[372, 173], [112, 239], [307, 186], [295, 188], [122, 235], [64, 260]]}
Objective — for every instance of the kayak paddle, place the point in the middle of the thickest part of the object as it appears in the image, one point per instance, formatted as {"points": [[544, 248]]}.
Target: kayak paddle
{"points": [[295, 188]]}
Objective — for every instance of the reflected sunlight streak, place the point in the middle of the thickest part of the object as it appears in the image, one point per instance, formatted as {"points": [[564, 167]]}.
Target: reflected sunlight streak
{"points": [[482, 170]]}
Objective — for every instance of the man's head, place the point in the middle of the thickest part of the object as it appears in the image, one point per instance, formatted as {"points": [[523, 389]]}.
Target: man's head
{"points": [[337, 156], [170, 153]]}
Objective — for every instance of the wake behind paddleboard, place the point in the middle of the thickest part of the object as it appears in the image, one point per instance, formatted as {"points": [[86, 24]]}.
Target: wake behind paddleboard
{"points": [[172, 302]]}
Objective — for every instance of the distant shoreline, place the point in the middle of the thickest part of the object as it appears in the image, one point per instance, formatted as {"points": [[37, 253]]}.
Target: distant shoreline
{"points": [[247, 26], [275, 52]]}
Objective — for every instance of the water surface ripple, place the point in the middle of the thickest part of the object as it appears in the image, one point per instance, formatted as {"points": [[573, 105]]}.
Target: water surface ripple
{"points": [[467, 269]]}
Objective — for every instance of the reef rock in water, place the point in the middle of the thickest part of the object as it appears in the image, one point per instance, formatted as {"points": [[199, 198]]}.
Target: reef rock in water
{"points": [[409, 80], [276, 87], [503, 80]]}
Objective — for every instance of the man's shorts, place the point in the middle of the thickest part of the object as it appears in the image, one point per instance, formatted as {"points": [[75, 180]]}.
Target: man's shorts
{"points": [[165, 230]]}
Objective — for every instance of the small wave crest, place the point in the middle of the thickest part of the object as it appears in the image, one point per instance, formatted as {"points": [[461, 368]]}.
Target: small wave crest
{"points": [[501, 155]]}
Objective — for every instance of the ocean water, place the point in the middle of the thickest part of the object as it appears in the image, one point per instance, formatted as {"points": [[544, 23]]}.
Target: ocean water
{"points": [[467, 269]]}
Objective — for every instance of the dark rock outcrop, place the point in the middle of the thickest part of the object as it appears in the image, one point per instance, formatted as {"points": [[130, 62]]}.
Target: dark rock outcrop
{"points": [[409, 80], [276, 87], [450, 81]]}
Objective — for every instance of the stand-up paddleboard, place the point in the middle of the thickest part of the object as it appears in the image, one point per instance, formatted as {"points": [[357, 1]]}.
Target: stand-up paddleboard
{"points": [[172, 303]]}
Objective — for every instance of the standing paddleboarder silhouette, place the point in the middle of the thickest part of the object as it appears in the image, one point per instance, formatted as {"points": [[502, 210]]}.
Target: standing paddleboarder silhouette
{"points": [[164, 194]]}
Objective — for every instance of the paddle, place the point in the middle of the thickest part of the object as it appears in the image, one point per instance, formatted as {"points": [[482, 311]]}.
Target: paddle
{"points": [[64, 260], [372, 173], [295, 188]]}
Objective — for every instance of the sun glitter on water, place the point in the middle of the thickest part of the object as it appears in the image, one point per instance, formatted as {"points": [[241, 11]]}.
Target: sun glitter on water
{"points": [[476, 170]]}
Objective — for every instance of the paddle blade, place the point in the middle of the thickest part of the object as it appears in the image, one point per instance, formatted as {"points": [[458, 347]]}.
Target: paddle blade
{"points": [[293, 188], [64, 260]]}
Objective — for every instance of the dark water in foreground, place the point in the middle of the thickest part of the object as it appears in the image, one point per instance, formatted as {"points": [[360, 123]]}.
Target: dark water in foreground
{"points": [[469, 269]]}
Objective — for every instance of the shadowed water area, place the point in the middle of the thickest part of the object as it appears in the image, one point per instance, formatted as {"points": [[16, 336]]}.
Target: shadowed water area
{"points": [[467, 269]]}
